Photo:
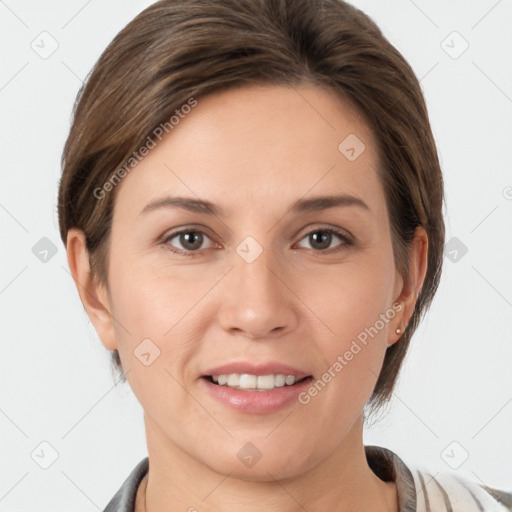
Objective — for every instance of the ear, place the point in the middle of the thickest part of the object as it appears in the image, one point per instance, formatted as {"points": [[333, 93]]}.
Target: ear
{"points": [[407, 291], [94, 297]]}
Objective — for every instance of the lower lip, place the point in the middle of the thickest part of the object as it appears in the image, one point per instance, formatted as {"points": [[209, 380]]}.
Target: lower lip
{"points": [[256, 402]]}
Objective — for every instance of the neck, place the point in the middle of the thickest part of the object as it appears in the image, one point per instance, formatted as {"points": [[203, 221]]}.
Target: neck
{"points": [[343, 481]]}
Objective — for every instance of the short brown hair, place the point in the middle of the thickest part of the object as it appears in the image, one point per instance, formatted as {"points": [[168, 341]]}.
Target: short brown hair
{"points": [[180, 49]]}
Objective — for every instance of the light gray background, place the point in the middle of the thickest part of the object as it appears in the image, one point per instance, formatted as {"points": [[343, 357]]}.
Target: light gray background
{"points": [[455, 395]]}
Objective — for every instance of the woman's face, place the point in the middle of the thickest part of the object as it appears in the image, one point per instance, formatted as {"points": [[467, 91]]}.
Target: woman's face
{"points": [[284, 266]]}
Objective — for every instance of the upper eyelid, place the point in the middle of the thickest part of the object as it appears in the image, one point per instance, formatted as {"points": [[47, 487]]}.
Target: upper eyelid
{"points": [[340, 232], [187, 229], [345, 237]]}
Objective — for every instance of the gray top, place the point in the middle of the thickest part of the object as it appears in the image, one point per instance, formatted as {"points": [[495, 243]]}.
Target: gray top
{"points": [[418, 491]]}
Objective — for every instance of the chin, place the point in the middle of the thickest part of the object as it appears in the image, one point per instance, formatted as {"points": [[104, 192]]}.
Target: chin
{"points": [[252, 465], [260, 472]]}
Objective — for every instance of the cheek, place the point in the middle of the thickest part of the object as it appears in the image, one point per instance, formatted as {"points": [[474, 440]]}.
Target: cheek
{"points": [[355, 308], [150, 322], [159, 312], [152, 302], [352, 299]]}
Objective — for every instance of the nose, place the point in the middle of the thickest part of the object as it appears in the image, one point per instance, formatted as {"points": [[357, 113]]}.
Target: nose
{"points": [[258, 299]]}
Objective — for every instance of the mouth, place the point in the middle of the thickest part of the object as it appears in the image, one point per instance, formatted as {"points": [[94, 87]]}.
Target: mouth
{"points": [[255, 388], [251, 382]]}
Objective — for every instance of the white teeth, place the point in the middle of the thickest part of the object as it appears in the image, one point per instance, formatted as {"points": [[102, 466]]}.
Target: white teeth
{"points": [[248, 381], [233, 379], [290, 379], [280, 380], [266, 382]]}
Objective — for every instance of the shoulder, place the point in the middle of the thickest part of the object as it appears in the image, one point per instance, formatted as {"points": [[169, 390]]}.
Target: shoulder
{"points": [[124, 499], [420, 490], [451, 492]]}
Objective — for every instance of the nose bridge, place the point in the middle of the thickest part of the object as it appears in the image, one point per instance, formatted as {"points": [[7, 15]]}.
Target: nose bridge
{"points": [[257, 278], [257, 302]]}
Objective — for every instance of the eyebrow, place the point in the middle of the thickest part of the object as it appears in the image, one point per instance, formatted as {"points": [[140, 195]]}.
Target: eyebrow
{"points": [[324, 202], [301, 206]]}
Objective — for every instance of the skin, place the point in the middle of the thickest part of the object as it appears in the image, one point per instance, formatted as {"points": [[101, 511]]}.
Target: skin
{"points": [[254, 151]]}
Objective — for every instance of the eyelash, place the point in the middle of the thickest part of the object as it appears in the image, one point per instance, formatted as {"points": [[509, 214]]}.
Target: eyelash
{"points": [[346, 241]]}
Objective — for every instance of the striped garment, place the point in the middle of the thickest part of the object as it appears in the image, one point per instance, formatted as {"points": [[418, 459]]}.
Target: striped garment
{"points": [[418, 491]]}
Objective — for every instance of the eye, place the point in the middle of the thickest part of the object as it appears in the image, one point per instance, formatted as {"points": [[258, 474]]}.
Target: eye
{"points": [[187, 241], [190, 241], [322, 239]]}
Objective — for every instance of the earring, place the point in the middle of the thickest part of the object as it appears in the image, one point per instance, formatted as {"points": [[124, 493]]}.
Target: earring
{"points": [[398, 330]]}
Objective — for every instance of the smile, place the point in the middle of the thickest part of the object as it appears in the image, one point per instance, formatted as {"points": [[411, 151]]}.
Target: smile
{"points": [[250, 382]]}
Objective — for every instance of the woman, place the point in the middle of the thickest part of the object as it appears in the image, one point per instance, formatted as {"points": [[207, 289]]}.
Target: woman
{"points": [[251, 203]]}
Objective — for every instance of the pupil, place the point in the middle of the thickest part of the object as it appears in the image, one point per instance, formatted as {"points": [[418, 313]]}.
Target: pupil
{"points": [[190, 240], [322, 239]]}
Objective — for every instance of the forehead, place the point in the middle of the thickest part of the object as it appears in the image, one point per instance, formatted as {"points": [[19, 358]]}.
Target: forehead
{"points": [[263, 144]]}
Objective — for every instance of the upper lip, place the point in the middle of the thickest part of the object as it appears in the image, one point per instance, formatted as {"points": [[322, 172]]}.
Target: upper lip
{"points": [[271, 368]]}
